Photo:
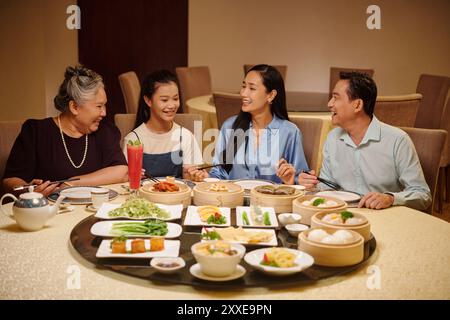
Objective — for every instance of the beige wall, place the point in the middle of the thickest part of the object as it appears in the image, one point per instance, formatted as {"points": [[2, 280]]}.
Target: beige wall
{"points": [[310, 36], [35, 48]]}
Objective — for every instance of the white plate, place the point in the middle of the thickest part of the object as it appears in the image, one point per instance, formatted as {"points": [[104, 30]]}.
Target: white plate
{"points": [[103, 229], [193, 218], [250, 184], [272, 217], [303, 261], [342, 195], [272, 243], [171, 249], [79, 192], [174, 210], [179, 260], [196, 271]]}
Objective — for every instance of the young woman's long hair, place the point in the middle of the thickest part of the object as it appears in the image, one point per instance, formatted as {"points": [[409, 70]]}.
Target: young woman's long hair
{"points": [[272, 80], [148, 88]]}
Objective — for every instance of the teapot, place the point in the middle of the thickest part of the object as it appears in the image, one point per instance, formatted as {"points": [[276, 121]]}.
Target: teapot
{"points": [[32, 210]]}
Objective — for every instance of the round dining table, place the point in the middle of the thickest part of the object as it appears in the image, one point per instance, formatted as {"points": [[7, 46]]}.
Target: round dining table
{"points": [[411, 261]]}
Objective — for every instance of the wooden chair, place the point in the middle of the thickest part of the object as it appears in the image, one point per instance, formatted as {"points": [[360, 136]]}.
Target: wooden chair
{"points": [[281, 68], [434, 90], [429, 146], [311, 130], [399, 111], [334, 76], [227, 105], [125, 122], [194, 82], [131, 89], [444, 170], [9, 130]]}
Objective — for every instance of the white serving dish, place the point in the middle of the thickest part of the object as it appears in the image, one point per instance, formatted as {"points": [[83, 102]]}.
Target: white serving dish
{"points": [[103, 229], [303, 261], [193, 218], [174, 210], [270, 210], [171, 249]]}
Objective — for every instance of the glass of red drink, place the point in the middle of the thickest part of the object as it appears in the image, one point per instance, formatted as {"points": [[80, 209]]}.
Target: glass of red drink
{"points": [[135, 152]]}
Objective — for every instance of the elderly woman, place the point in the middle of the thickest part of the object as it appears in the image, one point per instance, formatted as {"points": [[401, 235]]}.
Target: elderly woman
{"points": [[75, 144]]}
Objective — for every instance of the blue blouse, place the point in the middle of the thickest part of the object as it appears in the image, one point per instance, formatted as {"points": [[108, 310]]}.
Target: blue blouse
{"points": [[280, 139]]}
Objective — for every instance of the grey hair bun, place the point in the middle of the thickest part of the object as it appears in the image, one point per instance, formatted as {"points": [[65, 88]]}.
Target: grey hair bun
{"points": [[79, 85]]}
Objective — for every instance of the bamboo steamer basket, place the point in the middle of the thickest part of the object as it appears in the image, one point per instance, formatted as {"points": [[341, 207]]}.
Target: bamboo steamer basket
{"points": [[333, 255], [280, 203], [308, 211], [363, 228], [231, 198], [183, 196]]}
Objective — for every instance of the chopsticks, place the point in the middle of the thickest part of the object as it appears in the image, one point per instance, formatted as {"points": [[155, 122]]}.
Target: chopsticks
{"points": [[53, 182], [151, 177], [209, 166], [331, 184]]}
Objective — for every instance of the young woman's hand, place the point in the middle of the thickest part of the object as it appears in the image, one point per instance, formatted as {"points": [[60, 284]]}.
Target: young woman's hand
{"points": [[286, 172]]}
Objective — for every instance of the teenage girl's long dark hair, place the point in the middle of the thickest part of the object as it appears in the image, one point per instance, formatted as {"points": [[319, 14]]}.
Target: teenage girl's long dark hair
{"points": [[148, 88], [272, 80]]}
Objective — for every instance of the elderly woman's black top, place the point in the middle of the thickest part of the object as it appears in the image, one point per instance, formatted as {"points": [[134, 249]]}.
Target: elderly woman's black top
{"points": [[38, 152]]}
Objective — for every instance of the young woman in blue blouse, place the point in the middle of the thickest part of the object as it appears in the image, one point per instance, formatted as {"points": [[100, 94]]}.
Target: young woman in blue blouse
{"points": [[260, 142]]}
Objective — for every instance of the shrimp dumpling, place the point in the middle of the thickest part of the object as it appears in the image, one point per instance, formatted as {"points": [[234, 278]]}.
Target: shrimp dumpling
{"points": [[343, 235], [317, 235]]}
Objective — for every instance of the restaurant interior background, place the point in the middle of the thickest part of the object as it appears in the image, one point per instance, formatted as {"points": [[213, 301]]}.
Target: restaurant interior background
{"points": [[142, 35]]}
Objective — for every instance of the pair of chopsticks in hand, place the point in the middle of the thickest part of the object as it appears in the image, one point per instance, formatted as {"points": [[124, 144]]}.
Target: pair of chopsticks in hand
{"points": [[151, 177], [329, 183], [208, 166], [35, 185]]}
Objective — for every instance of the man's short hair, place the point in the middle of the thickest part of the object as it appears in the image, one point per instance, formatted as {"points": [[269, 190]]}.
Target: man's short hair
{"points": [[361, 86]]}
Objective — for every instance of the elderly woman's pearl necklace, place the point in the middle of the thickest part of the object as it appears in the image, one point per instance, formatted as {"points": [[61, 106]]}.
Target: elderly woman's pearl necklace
{"points": [[67, 151]]}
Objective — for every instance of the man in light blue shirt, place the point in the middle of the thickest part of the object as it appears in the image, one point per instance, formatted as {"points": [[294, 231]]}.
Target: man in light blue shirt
{"points": [[368, 156]]}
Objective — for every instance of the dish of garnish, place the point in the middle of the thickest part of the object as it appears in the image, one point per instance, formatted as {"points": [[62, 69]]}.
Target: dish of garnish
{"points": [[256, 216], [122, 247], [240, 235], [207, 216], [138, 209], [167, 265], [279, 261], [276, 190]]}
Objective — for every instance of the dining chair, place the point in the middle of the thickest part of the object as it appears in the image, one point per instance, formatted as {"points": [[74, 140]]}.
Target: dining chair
{"points": [[281, 68], [9, 130], [434, 90], [334, 76], [444, 167], [227, 105], [311, 129], [125, 122], [131, 89], [193, 82], [429, 144], [399, 111]]}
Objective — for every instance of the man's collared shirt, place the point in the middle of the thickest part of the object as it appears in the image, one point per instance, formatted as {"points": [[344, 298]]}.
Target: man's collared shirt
{"points": [[385, 161]]}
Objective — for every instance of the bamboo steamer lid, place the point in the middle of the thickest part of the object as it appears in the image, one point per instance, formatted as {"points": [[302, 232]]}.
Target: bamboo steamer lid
{"points": [[280, 203], [232, 197], [183, 196]]}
